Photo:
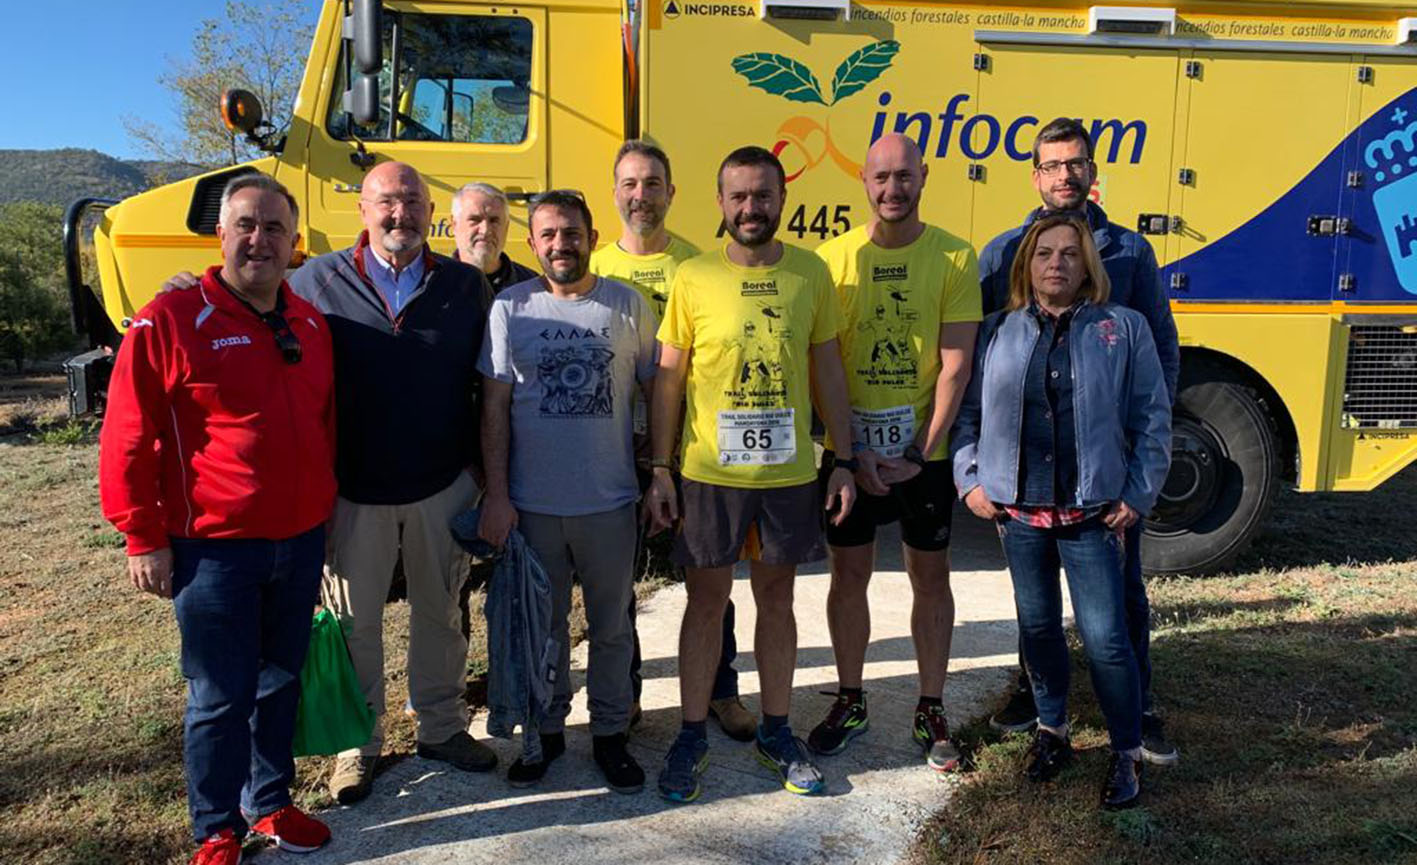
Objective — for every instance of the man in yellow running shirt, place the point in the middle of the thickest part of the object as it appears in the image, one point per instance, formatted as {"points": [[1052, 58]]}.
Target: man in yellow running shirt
{"points": [[647, 257], [750, 337], [910, 310]]}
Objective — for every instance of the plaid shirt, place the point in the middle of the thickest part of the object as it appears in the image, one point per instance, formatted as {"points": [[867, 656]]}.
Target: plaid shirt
{"points": [[1050, 517]]}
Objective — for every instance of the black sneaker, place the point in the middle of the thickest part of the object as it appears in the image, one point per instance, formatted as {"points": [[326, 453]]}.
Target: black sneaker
{"points": [[1155, 747], [1019, 713], [523, 774], [622, 773], [1122, 787], [845, 720], [1047, 756]]}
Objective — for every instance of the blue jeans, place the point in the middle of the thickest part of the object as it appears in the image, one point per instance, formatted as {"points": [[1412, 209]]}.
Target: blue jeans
{"points": [[243, 608], [1091, 555], [1138, 611], [1138, 618]]}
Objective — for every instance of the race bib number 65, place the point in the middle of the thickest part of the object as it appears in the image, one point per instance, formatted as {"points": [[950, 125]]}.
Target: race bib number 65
{"points": [[757, 438]]}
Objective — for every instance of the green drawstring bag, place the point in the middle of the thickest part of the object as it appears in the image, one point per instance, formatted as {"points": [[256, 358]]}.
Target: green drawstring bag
{"points": [[333, 716]]}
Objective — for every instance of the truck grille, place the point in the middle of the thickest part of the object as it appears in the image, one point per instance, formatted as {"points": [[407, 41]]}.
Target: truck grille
{"points": [[1380, 390], [202, 214]]}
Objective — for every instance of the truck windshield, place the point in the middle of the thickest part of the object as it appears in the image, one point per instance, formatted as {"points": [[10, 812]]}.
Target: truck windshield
{"points": [[459, 78]]}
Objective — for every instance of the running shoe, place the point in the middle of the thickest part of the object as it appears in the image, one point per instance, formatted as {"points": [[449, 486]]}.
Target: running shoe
{"points": [[846, 719], [932, 734], [786, 755], [686, 761]]}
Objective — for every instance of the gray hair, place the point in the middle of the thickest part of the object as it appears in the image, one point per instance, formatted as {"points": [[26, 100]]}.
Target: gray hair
{"points": [[486, 189], [263, 182]]}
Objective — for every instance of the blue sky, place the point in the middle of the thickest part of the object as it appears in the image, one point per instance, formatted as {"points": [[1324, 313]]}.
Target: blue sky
{"points": [[78, 67]]}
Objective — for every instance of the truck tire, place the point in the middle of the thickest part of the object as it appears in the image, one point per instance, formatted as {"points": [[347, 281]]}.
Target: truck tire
{"points": [[1224, 475]]}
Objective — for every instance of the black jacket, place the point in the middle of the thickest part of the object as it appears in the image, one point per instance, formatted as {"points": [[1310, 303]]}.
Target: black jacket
{"points": [[406, 386]]}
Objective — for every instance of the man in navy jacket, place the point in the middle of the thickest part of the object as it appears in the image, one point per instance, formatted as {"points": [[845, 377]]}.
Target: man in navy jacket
{"points": [[407, 326], [1063, 173]]}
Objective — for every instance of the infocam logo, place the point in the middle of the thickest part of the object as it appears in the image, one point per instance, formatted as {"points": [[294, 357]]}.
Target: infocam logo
{"points": [[982, 135]]}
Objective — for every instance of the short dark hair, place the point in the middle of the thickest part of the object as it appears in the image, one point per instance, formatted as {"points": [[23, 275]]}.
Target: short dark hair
{"points": [[263, 182], [644, 148], [1062, 129], [752, 155], [561, 199]]}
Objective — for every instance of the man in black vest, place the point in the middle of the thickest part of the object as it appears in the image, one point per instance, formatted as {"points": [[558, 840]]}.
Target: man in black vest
{"points": [[407, 326]]}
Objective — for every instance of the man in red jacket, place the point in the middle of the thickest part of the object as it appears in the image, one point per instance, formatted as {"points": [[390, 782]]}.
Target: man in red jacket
{"points": [[217, 462]]}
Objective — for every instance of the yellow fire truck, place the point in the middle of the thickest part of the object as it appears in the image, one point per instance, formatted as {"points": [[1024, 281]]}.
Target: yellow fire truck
{"points": [[1268, 150]]}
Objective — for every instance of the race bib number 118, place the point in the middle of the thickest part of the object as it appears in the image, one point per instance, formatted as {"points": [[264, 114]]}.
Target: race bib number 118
{"points": [[888, 431], [757, 438]]}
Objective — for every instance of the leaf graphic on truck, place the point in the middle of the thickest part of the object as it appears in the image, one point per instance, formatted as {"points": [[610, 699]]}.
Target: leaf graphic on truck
{"points": [[791, 79], [780, 76], [862, 67]]}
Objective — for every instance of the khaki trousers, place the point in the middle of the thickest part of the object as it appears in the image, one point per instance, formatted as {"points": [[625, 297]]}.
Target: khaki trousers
{"points": [[364, 545]]}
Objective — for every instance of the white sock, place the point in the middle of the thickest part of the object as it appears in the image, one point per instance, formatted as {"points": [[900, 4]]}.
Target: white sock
{"points": [[1134, 753], [1061, 732]]}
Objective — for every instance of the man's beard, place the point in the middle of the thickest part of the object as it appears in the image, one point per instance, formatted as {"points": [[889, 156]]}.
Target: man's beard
{"points": [[483, 256], [1052, 202], [394, 245], [762, 240], [650, 219], [576, 274]]}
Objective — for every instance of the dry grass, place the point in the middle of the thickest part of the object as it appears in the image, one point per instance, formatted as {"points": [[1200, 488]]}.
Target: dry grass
{"points": [[91, 697], [28, 402], [1290, 691]]}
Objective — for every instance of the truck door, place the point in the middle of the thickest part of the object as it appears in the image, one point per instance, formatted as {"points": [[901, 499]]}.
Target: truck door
{"points": [[1125, 98], [461, 96], [1378, 248], [1262, 159]]}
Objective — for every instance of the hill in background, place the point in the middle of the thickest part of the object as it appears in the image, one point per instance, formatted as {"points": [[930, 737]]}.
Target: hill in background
{"points": [[61, 176]]}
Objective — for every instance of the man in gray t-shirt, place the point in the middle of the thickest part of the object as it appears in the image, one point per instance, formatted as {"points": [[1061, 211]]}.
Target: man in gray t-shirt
{"points": [[562, 358]]}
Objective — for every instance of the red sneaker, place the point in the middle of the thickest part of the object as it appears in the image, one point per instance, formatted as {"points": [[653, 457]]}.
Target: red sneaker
{"points": [[292, 830], [223, 848]]}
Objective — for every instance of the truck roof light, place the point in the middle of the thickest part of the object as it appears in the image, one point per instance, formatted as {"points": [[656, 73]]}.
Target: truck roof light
{"points": [[816, 10], [1131, 19]]}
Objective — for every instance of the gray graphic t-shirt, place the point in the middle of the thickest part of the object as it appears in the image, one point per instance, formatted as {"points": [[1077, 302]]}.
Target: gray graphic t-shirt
{"points": [[574, 366]]}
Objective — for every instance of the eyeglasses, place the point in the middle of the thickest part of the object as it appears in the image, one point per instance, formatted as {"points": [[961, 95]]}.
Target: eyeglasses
{"points": [[286, 340], [1074, 166]]}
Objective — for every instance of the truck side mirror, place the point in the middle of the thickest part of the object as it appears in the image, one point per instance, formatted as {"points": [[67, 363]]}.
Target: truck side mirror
{"points": [[241, 111], [364, 28], [362, 100]]}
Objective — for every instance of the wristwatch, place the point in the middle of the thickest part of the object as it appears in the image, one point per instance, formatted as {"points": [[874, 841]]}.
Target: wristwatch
{"points": [[850, 465], [914, 455]]}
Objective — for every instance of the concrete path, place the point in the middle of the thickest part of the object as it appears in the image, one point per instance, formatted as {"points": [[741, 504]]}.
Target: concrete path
{"points": [[879, 789]]}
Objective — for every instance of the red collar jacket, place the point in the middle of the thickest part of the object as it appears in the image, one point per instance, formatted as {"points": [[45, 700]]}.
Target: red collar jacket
{"points": [[209, 432]]}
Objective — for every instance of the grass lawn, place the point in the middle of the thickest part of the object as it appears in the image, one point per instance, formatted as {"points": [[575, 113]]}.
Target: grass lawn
{"points": [[1291, 690], [91, 697]]}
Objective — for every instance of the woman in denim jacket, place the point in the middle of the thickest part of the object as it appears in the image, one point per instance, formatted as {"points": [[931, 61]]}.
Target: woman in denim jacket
{"points": [[1064, 439]]}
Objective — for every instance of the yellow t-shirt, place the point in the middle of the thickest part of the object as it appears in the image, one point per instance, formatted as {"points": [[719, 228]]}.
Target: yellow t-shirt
{"points": [[651, 275], [749, 331], [893, 302]]}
